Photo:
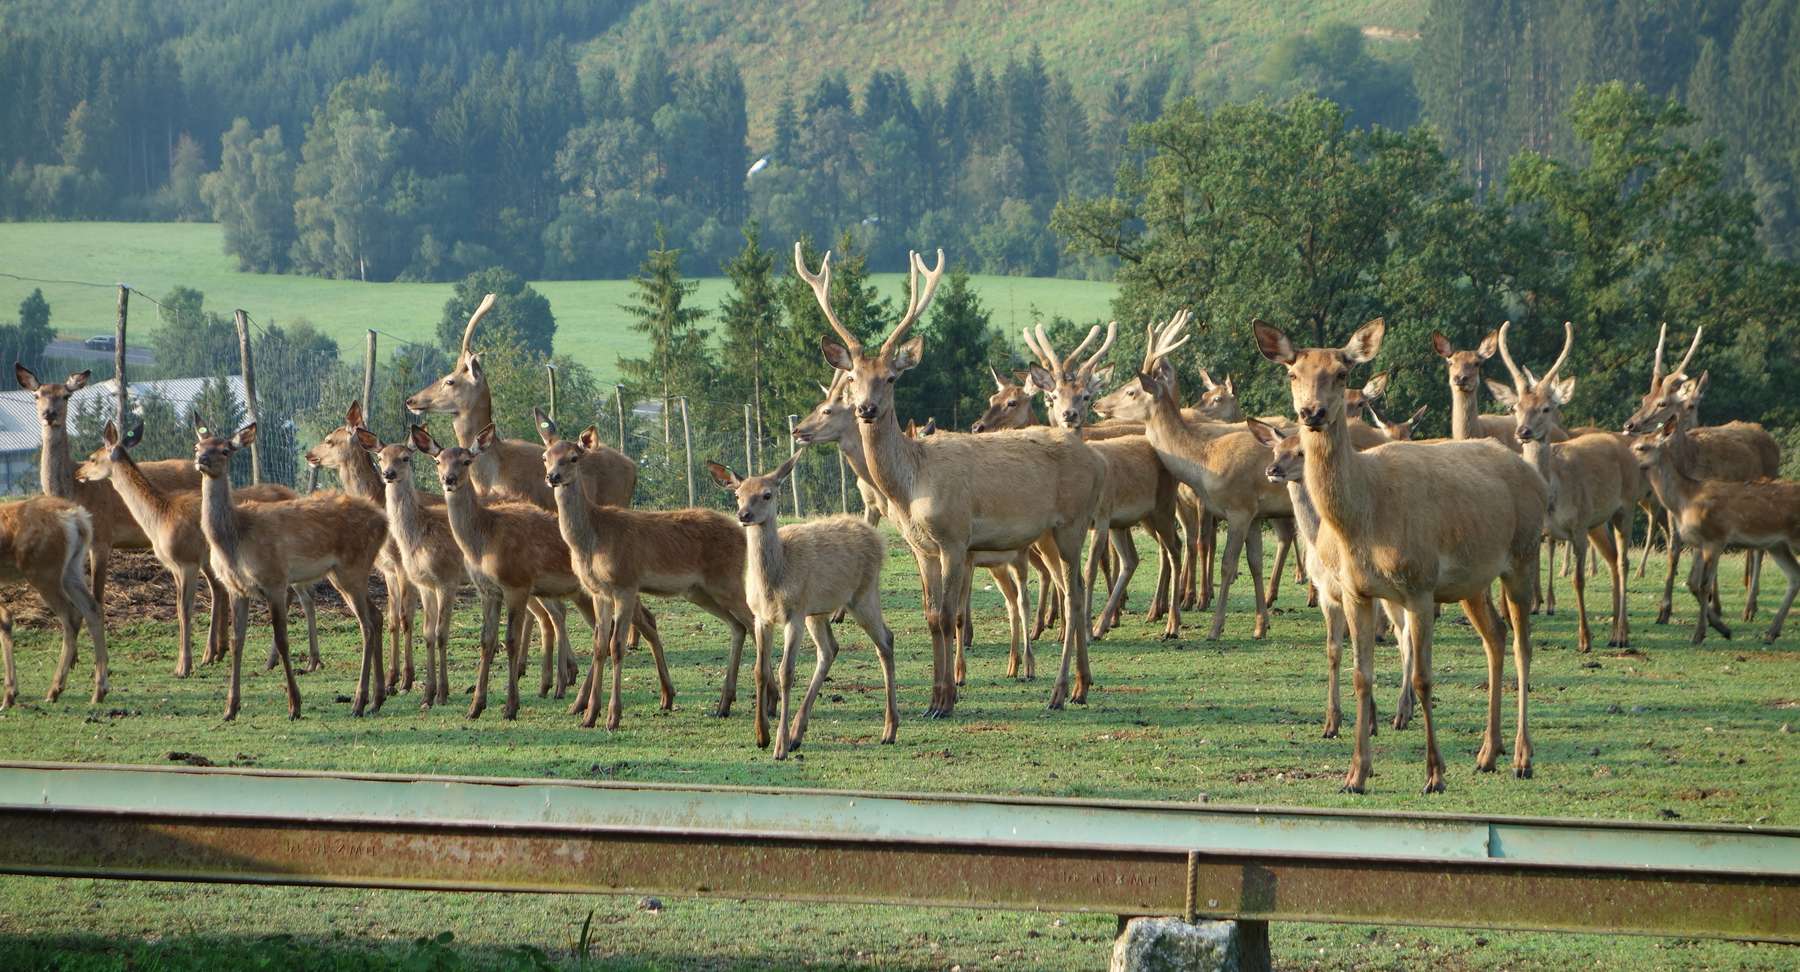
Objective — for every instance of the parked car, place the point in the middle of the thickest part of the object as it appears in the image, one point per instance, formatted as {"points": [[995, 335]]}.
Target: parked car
{"points": [[99, 342]]}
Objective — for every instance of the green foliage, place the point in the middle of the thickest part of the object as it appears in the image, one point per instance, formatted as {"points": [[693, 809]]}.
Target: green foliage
{"points": [[1334, 61], [750, 320], [679, 361], [192, 341], [252, 196], [959, 346], [520, 315], [25, 340]]}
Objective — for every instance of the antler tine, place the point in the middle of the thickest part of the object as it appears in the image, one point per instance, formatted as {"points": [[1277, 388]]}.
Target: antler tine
{"points": [[821, 287], [1681, 369], [1656, 371], [1112, 333], [487, 304], [1164, 345], [1520, 382], [1040, 349], [1207, 380], [920, 300], [1069, 362], [1568, 343]]}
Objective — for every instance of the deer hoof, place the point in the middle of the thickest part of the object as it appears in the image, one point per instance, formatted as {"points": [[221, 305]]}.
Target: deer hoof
{"points": [[1522, 772], [1356, 788], [1434, 786]]}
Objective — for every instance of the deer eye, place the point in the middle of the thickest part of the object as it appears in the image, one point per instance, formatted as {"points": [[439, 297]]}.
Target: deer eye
{"points": [[449, 382], [768, 496], [1012, 403]]}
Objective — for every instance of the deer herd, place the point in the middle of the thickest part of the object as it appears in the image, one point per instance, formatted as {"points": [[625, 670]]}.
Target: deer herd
{"points": [[1389, 527]]}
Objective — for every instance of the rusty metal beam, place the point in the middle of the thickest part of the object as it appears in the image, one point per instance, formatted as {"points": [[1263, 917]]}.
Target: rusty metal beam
{"points": [[1121, 858]]}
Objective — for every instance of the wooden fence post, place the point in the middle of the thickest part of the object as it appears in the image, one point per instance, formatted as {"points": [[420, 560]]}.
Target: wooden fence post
{"points": [[368, 395], [687, 447], [119, 358], [619, 406], [749, 449], [243, 329], [550, 370], [794, 477]]}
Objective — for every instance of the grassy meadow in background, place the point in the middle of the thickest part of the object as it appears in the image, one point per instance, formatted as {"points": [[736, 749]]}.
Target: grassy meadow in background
{"points": [[1662, 731], [590, 326]]}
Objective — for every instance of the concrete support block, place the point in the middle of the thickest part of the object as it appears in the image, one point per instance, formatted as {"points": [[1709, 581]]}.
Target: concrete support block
{"points": [[1173, 945]]}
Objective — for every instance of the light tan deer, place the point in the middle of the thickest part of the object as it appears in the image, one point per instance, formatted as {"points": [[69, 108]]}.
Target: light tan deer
{"points": [[941, 494], [797, 575], [1417, 524], [1221, 462], [513, 551], [172, 522], [44, 542], [833, 421], [1711, 515], [1288, 467], [1734, 452], [1139, 490], [429, 555], [260, 549], [619, 555], [1593, 480], [1009, 407]]}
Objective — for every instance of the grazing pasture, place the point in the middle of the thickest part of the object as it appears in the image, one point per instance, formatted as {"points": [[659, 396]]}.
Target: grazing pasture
{"points": [[1665, 730]]}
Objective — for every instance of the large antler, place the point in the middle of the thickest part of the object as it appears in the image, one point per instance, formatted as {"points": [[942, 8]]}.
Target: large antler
{"points": [[1087, 367], [1525, 380], [1161, 342], [821, 288], [917, 300], [1681, 369], [1520, 380], [487, 304], [1568, 345], [1656, 372]]}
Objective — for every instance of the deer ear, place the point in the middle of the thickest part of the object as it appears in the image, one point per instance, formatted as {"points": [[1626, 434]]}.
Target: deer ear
{"points": [[1273, 344], [78, 380], [1040, 379], [1414, 417], [484, 440], [1441, 345], [135, 436], [1365, 344], [907, 356], [1375, 387], [366, 439], [781, 472], [244, 436], [1231, 386], [422, 441], [590, 438], [353, 416], [1265, 433], [999, 383], [546, 428], [723, 476], [1562, 391], [836, 355], [1102, 377], [1147, 383], [109, 434], [27, 380], [1489, 346], [1503, 393]]}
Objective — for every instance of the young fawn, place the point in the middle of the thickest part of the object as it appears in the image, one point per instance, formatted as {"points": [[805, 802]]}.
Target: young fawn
{"points": [[798, 575]]}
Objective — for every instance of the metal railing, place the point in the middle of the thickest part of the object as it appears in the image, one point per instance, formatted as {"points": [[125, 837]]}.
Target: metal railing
{"points": [[1125, 858]]}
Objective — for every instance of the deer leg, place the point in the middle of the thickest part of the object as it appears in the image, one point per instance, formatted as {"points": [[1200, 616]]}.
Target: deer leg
{"points": [[278, 625], [1790, 568], [187, 579], [66, 661], [587, 696], [10, 693], [240, 624], [625, 602], [866, 608], [1403, 706], [826, 648], [1003, 580], [1480, 613], [1168, 540], [1606, 547], [1584, 638], [1421, 616], [953, 571], [790, 640], [309, 609], [1335, 627], [1254, 554], [547, 679], [740, 627], [764, 632], [1668, 596], [82, 607], [99, 557], [1125, 551], [516, 614], [1209, 555], [1096, 553], [1753, 561], [1360, 612], [428, 611], [490, 643], [1549, 576], [645, 625], [218, 632], [1521, 638], [1649, 539], [965, 626], [1284, 540]]}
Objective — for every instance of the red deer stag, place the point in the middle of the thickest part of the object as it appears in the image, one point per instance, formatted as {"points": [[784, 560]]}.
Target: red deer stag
{"points": [[942, 496]]}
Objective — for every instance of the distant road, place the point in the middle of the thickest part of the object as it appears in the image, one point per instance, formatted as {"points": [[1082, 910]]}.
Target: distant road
{"points": [[75, 349]]}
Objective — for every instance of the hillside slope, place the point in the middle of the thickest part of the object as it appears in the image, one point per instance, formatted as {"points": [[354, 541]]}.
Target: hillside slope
{"points": [[789, 44]]}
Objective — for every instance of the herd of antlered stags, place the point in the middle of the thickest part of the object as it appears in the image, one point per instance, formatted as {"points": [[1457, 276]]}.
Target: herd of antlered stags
{"points": [[1390, 527]]}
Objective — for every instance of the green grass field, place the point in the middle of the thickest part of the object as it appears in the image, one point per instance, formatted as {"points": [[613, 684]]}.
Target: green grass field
{"points": [[154, 257], [1665, 730]]}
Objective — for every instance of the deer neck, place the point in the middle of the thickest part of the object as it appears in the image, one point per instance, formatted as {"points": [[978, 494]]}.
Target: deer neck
{"points": [[361, 480], [1336, 479], [1541, 455], [1465, 413], [1306, 515], [851, 446], [767, 562], [56, 468], [893, 459], [1171, 435], [575, 518], [468, 424], [402, 502], [148, 505], [469, 521], [218, 521]]}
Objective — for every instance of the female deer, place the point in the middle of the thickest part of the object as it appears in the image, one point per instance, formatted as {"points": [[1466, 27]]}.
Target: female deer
{"points": [[44, 542], [797, 575]]}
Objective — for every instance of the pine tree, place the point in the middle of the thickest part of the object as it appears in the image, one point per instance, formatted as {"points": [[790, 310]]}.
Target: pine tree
{"points": [[679, 362], [751, 316]]}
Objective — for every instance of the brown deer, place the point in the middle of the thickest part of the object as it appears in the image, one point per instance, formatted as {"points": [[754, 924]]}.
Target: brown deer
{"points": [[1734, 452], [797, 575], [172, 522], [833, 420], [945, 501], [619, 555], [1221, 462], [513, 551], [429, 555], [1009, 407], [260, 549], [1139, 490], [1711, 515], [1417, 524], [1288, 467], [1593, 480], [44, 542]]}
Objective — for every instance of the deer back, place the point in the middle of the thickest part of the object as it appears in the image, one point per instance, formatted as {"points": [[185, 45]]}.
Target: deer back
{"points": [[1051, 478], [39, 536], [826, 564], [1136, 482]]}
